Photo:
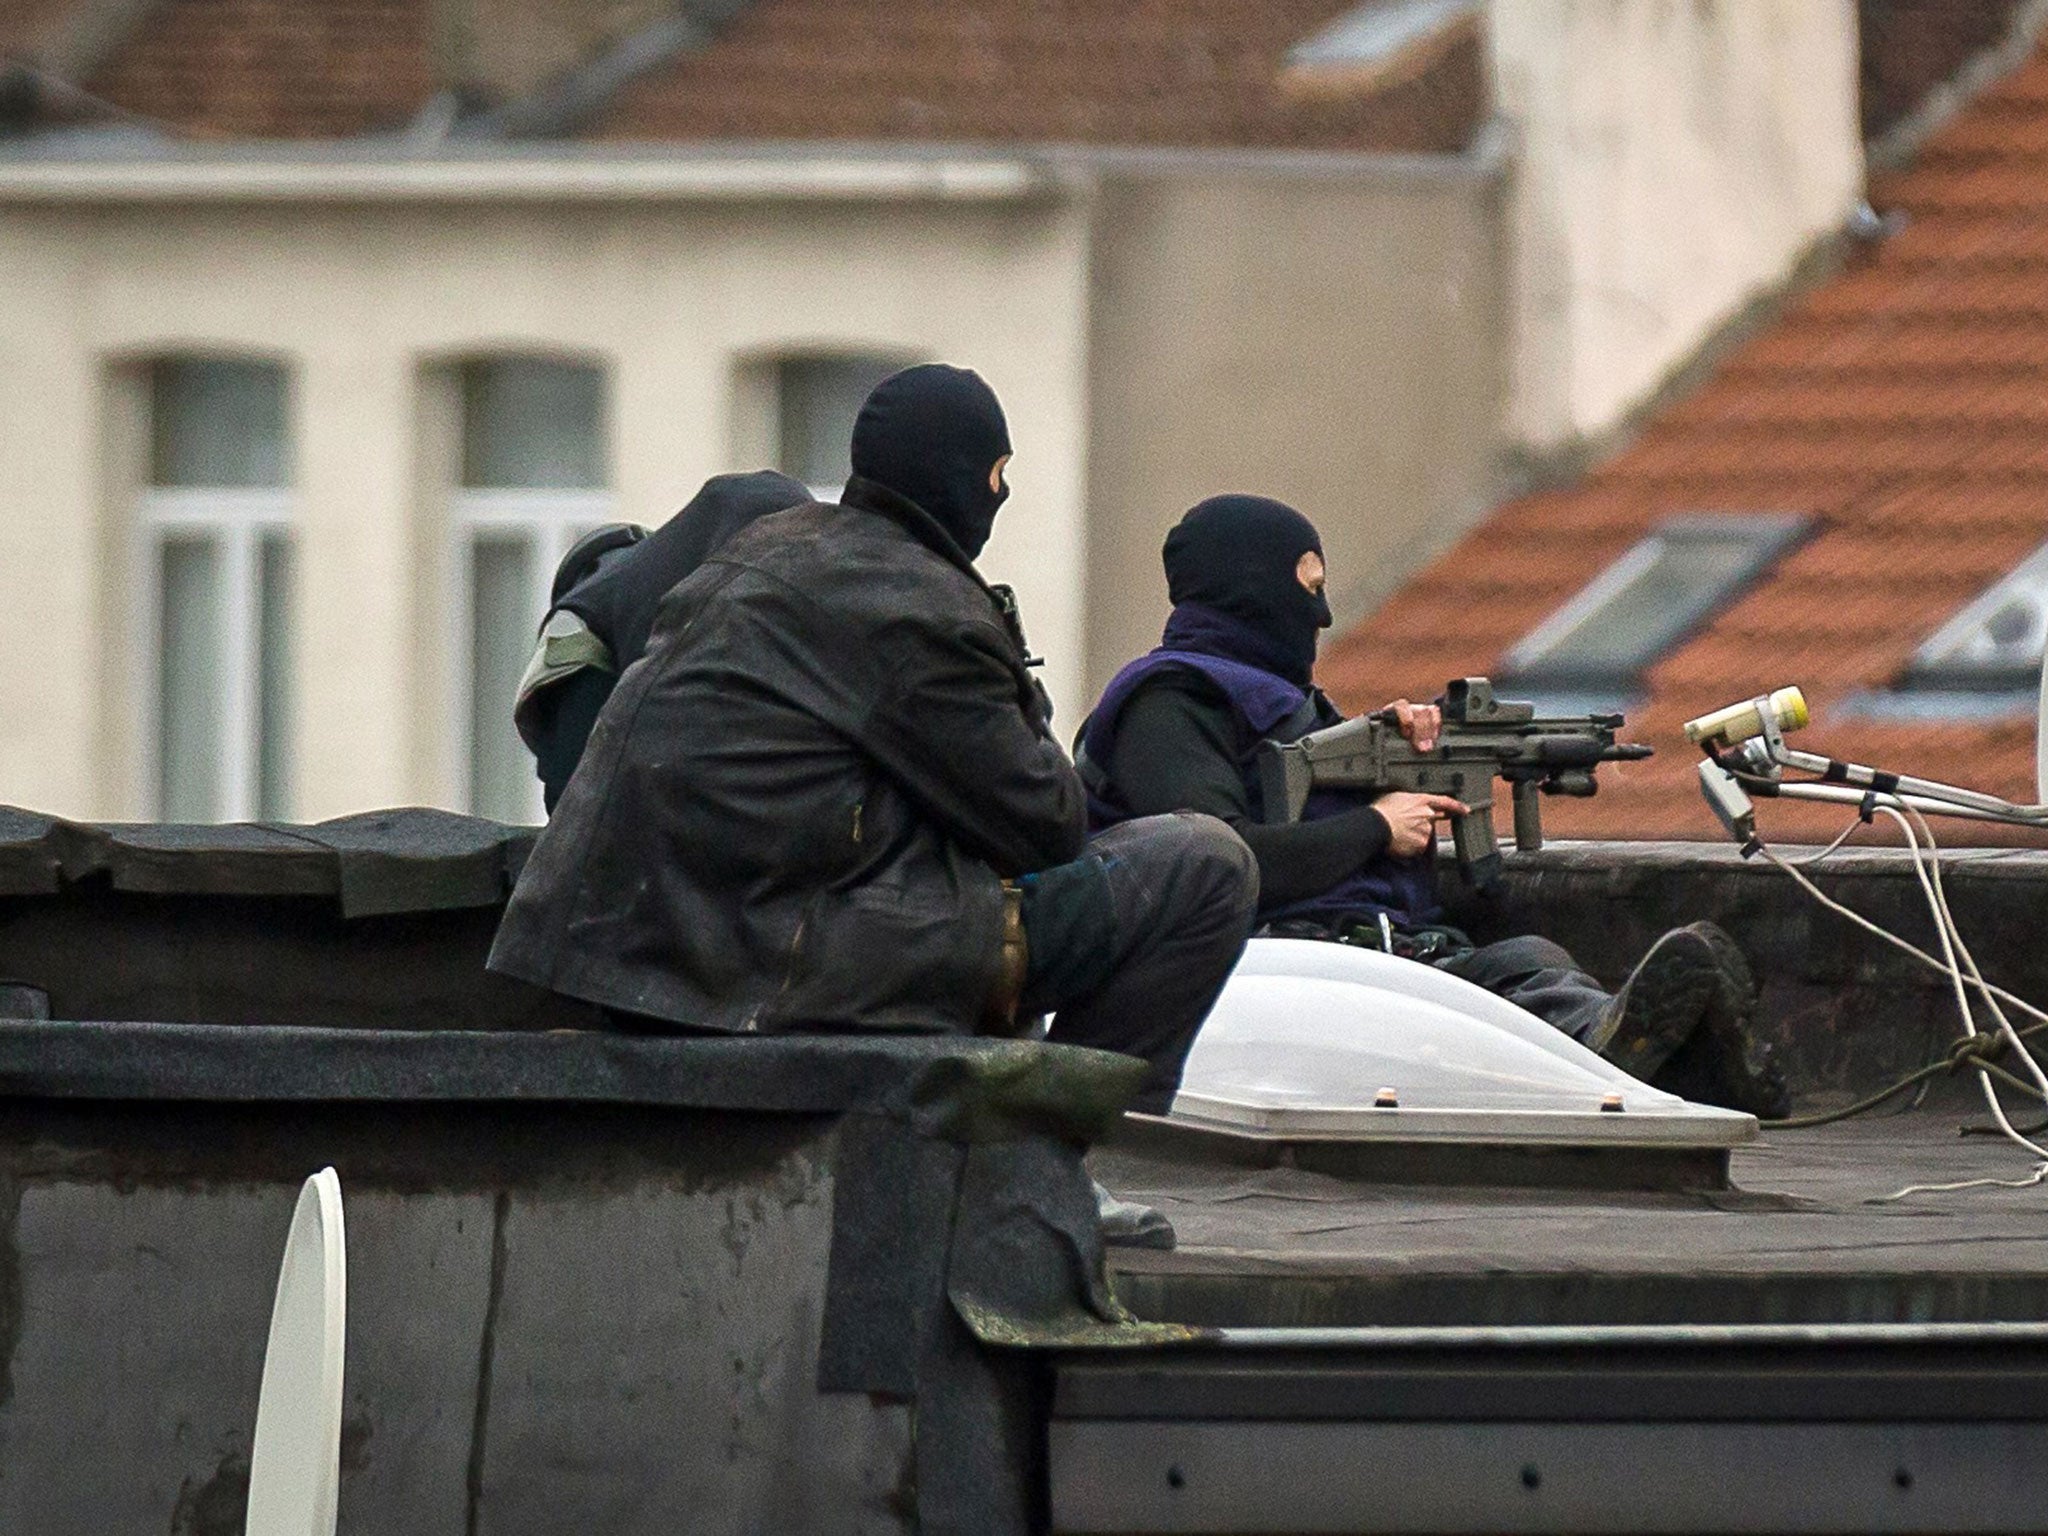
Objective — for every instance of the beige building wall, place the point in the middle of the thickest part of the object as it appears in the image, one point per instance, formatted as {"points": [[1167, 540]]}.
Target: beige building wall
{"points": [[1674, 158], [1329, 339], [1324, 333], [363, 303], [51, 597]]}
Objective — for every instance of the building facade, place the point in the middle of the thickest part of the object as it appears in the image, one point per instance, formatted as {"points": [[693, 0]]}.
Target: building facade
{"points": [[286, 476]]}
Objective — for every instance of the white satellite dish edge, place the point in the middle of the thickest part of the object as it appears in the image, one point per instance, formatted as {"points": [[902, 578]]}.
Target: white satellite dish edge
{"points": [[295, 1462], [2041, 738]]}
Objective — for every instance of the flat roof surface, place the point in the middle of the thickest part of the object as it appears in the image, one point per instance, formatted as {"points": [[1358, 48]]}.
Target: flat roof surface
{"points": [[1796, 1240]]}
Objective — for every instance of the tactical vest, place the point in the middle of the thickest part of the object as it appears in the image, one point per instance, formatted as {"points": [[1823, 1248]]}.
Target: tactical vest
{"points": [[1271, 708]]}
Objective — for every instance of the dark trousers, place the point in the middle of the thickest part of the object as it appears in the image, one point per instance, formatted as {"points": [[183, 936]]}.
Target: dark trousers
{"points": [[1537, 975], [1131, 942]]}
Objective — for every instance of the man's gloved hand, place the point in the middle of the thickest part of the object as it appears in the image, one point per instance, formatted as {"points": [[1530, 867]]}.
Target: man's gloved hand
{"points": [[1411, 820], [1420, 723]]}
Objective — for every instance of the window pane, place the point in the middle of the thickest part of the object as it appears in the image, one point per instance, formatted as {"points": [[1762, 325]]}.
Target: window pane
{"points": [[217, 424], [818, 400], [503, 623], [190, 736], [275, 577], [1633, 624], [1633, 613], [532, 424]]}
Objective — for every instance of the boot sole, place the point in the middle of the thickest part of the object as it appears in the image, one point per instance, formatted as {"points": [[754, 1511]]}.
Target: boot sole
{"points": [[1666, 1001]]}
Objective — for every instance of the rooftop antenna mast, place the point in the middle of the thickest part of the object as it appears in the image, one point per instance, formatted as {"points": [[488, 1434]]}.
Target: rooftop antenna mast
{"points": [[1747, 759]]}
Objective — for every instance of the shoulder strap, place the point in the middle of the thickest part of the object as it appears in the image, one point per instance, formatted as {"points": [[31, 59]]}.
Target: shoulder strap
{"points": [[1093, 779], [567, 646], [1300, 722]]}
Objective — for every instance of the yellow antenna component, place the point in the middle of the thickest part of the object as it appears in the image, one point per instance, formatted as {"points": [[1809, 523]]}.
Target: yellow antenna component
{"points": [[1737, 723]]}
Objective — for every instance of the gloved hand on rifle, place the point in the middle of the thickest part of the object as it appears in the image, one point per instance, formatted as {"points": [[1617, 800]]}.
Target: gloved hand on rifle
{"points": [[1412, 820]]}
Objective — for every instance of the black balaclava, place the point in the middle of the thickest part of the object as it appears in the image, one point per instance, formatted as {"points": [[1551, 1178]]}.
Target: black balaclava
{"points": [[620, 599], [932, 433], [1236, 555]]}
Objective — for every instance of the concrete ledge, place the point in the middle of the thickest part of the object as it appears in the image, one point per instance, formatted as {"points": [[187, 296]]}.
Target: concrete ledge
{"points": [[151, 173], [384, 920], [596, 1282], [133, 168]]}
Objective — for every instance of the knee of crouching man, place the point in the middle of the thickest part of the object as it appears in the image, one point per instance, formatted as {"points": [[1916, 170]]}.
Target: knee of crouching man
{"points": [[1225, 862]]}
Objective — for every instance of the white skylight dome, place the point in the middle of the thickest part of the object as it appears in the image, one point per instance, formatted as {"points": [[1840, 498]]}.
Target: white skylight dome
{"points": [[1329, 1041]]}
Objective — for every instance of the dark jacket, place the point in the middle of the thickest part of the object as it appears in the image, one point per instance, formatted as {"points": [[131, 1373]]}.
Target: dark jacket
{"points": [[1181, 746], [798, 807]]}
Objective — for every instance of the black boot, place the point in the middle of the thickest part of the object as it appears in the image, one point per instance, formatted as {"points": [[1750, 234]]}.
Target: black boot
{"points": [[1660, 1006], [1725, 1063]]}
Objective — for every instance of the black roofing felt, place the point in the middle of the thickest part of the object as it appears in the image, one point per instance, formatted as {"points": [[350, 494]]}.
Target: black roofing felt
{"points": [[961, 1212], [965, 1089], [979, 1137], [376, 863], [1797, 1240]]}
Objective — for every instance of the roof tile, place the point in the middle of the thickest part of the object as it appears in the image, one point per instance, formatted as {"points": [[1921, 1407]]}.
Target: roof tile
{"points": [[1139, 72], [274, 69], [1135, 72], [29, 27]]}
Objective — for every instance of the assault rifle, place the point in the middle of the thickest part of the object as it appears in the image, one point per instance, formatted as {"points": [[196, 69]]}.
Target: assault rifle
{"points": [[1483, 739]]}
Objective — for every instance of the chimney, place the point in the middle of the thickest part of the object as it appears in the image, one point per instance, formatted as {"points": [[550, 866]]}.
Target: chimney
{"points": [[1674, 160]]}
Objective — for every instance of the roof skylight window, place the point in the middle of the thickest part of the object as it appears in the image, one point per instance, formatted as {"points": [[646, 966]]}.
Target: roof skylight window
{"points": [[1633, 613], [1994, 645], [1382, 41]]}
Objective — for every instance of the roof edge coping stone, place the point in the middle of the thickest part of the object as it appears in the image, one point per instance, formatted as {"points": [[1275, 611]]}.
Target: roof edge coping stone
{"points": [[102, 168]]}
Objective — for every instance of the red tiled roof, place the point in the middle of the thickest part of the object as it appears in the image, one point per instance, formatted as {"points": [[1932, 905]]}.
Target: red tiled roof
{"points": [[271, 69], [27, 27], [1904, 403], [1134, 72], [1150, 72]]}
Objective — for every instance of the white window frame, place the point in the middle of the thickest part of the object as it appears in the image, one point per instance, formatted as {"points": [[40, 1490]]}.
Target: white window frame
{"points": [[890, 360], [1953, 657], [1769, 535], [547, 521], [236, 519]]}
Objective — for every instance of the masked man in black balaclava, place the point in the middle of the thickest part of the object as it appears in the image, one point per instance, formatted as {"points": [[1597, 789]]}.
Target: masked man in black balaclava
{"points": [[605, 595], [1178, 729], [829, 796]]}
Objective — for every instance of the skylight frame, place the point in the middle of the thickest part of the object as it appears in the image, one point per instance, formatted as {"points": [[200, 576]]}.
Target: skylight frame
{"points": [[1942, 664], [1534, 662]]}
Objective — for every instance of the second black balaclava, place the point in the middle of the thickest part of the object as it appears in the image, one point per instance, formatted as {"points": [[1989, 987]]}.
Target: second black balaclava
{"points": [[1236, 555], [932, 433]]}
